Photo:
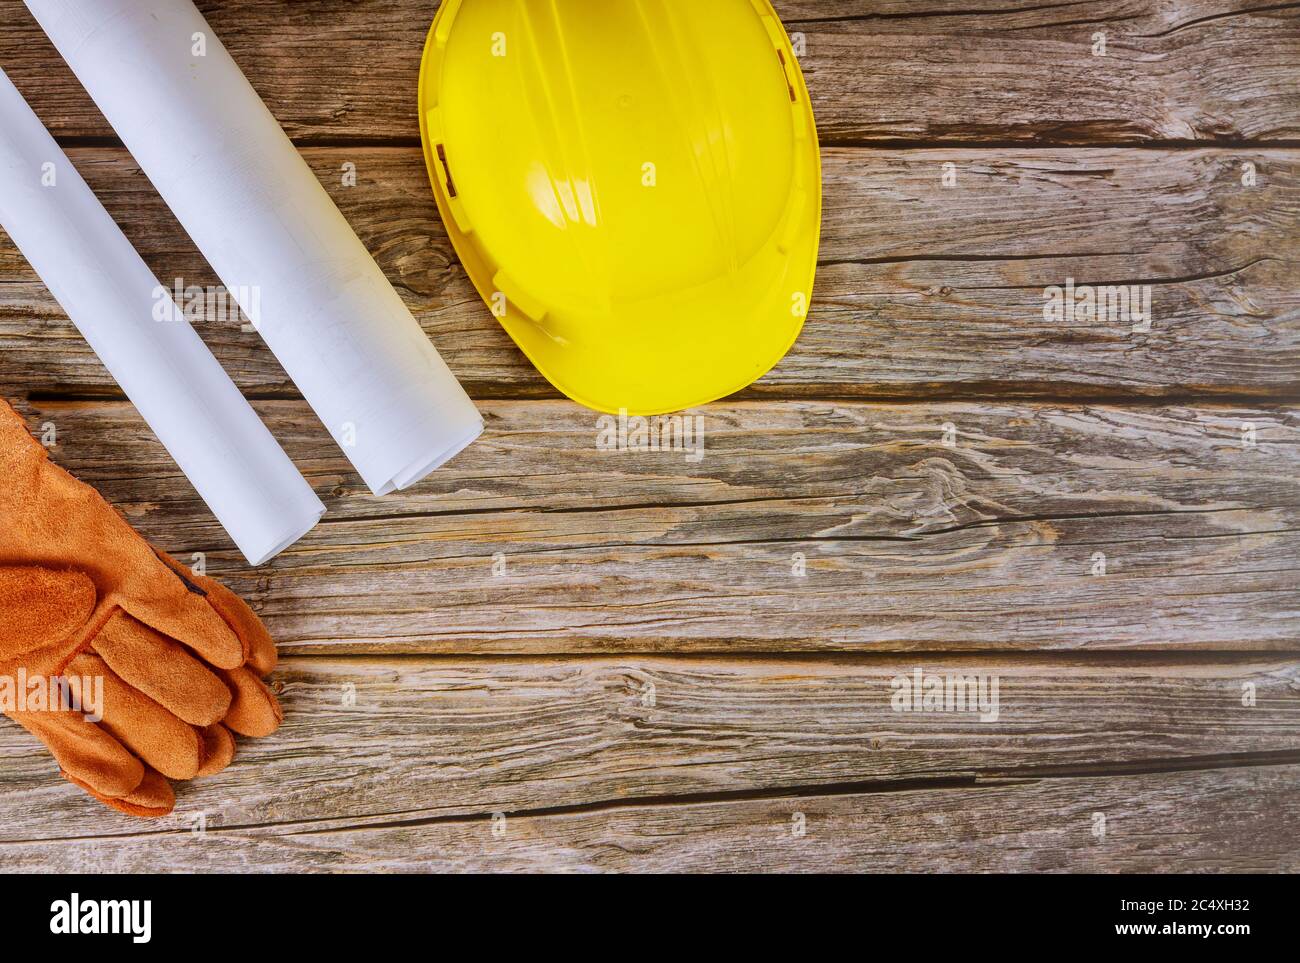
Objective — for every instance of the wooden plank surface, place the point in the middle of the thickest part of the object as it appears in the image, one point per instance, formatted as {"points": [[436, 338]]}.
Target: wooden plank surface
{"points": [[909, 543], [579, 753], [425, 739], [1243, 820], [923, 291], [902, 69]]}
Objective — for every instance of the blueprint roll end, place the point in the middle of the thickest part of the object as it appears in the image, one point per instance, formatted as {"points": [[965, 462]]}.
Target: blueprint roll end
{"points": [[261, 551], [422, 469]]}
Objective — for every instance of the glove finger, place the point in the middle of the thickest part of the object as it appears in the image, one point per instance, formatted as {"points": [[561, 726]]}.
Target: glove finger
{"points": [[218, 750], [259, 648], [99, 763], [163, 670], [258, 644], [166, 743], [254, 711], [40, 606], [151, 799], [173, 603]]}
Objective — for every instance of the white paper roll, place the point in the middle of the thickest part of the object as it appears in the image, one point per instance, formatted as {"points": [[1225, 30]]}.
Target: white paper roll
{"points": [[260, 217], [163, 366]]}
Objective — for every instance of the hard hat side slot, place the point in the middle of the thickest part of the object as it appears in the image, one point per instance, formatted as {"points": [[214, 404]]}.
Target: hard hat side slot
{"points": [[785, 69], [446, 169]]}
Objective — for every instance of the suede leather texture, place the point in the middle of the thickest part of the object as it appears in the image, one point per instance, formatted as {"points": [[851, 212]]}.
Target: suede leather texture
{"points": [[179, 659]]}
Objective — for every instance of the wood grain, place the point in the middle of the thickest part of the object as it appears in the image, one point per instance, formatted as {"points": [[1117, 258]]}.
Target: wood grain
{"points": [[653, 764], [460, 739], [908, 542], [1235, 820], [1224, 821], [900, 70], [923, 291]]}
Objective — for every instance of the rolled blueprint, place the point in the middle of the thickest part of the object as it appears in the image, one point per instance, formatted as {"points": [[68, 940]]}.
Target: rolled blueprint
{"points": [[256, 211], [165, 369]]}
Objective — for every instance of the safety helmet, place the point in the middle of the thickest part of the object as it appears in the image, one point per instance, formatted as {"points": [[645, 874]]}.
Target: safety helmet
{"points": [[633, 186]]}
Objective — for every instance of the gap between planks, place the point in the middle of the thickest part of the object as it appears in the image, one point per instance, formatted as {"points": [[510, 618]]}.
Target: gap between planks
{"points": [[867, 788]]}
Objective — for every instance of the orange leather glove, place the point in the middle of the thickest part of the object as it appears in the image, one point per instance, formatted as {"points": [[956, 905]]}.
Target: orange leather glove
{"points": [[83, 597]]}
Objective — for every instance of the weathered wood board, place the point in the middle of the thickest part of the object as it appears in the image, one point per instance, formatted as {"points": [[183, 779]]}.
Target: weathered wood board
{"points": [[923, 291], [445, 738], [534, 540], [1234, 820], [899, 70], [670, 764]]}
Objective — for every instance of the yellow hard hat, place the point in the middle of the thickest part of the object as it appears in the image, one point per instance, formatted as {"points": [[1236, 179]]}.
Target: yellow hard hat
{"points": [[634, 187]]}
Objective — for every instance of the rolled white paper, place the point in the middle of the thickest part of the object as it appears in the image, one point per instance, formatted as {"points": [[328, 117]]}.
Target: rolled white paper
{"points": [[255, 209], [165, 369]]}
